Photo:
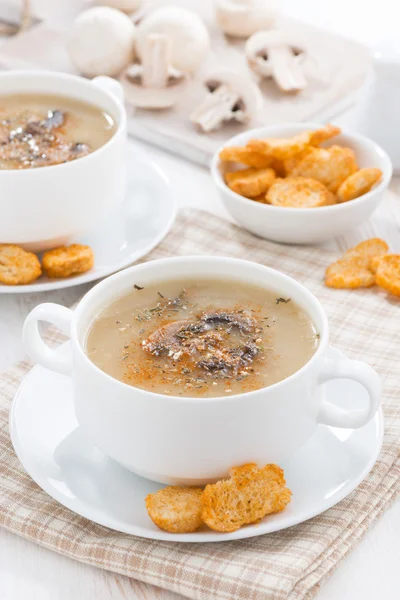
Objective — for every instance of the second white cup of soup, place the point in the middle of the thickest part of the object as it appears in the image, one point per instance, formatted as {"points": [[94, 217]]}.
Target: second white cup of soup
{"points": [[48, 206], [194, 440]]}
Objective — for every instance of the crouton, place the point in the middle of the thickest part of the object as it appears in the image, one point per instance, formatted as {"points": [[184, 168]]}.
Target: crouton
{"points": [[249, 495], [176, 509], [18, 267], [68, 260]]}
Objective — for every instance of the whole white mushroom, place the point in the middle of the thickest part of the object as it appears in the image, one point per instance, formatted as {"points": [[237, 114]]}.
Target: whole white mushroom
{"points": [[127, 6], [242, 18], [101, 41], [190, 39]]}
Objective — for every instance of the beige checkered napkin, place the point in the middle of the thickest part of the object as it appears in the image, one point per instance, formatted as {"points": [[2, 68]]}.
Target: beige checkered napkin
{"points": [[290, 564]]}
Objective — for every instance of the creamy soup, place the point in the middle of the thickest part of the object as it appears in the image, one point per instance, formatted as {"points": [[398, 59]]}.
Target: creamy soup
{"points": [[203, 338], [42, 130]]}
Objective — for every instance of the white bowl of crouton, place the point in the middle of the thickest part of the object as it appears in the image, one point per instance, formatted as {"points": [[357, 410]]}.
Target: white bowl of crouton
{"points": [[300, 183]]}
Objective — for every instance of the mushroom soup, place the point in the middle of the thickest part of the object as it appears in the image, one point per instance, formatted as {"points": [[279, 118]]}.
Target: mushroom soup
{"points": [[205, 338], [42, 130]]}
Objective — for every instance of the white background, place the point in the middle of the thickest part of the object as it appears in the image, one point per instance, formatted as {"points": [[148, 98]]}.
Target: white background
{"points": [[372, 570]]}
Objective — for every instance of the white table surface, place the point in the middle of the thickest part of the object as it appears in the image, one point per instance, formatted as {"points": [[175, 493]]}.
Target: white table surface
{"points": [[371, 571]]}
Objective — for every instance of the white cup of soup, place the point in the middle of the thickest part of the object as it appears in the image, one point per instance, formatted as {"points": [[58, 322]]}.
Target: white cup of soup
{"points": [[62, 156], [185, 367]]}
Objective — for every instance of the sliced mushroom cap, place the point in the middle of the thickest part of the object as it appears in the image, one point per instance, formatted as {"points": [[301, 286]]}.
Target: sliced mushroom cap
{"points": [[154, 83], [278, 54], [231, 97]]}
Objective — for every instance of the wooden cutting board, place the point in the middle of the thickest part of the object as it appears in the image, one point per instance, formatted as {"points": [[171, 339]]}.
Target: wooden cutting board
{"points": [[336, 69]]}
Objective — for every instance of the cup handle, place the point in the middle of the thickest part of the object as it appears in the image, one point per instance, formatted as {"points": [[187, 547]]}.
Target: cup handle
{"points": [[344, 368], [38, 350], [110, 85]]}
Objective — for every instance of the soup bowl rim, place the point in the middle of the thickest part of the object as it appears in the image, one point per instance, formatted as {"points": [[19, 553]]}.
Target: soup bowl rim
{"points": [[190, 260], [78, 80]]}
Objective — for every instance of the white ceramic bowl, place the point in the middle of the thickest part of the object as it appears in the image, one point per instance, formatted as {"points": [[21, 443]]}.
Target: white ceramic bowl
{"points": [[46, 207], [196, 440], [304, 225]]}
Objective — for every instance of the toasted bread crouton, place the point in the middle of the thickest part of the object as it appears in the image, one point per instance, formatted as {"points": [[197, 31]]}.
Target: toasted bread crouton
{"points": [[358, 266], [351, 273], [18, 267], [368, 248], [299, 192], [374, 263], [249, 495], [359, 183], [280, 148], [285, 148], [246, 156], [323, 134], [68, 260], [250, 182], [388, 273], [331, 166], [176, 509]]}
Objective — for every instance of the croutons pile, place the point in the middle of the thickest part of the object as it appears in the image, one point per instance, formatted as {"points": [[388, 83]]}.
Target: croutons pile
{"points": [[296, 172], [246, 497], [19, 267], [365, 265]]}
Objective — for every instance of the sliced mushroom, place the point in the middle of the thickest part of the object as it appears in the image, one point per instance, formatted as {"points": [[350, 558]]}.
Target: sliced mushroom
{"points": [[231, 97], [241, 18], [55, 119], [207, 342], [279, 55], [154, 83], [242, 322], [166, 338]]}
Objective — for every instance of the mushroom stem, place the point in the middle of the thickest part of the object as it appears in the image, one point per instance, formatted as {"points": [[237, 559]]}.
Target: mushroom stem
{"points": [[154, 83], [156, 60], [286, 69], [278, 54], [217, 107]]}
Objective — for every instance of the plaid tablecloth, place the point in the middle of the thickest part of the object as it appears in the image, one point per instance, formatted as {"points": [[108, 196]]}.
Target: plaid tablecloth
{"points": [[291, 564]]}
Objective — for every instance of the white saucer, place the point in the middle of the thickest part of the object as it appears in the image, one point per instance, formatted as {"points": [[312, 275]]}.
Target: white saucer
{"points": [[54, 452], [136, 227]]}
